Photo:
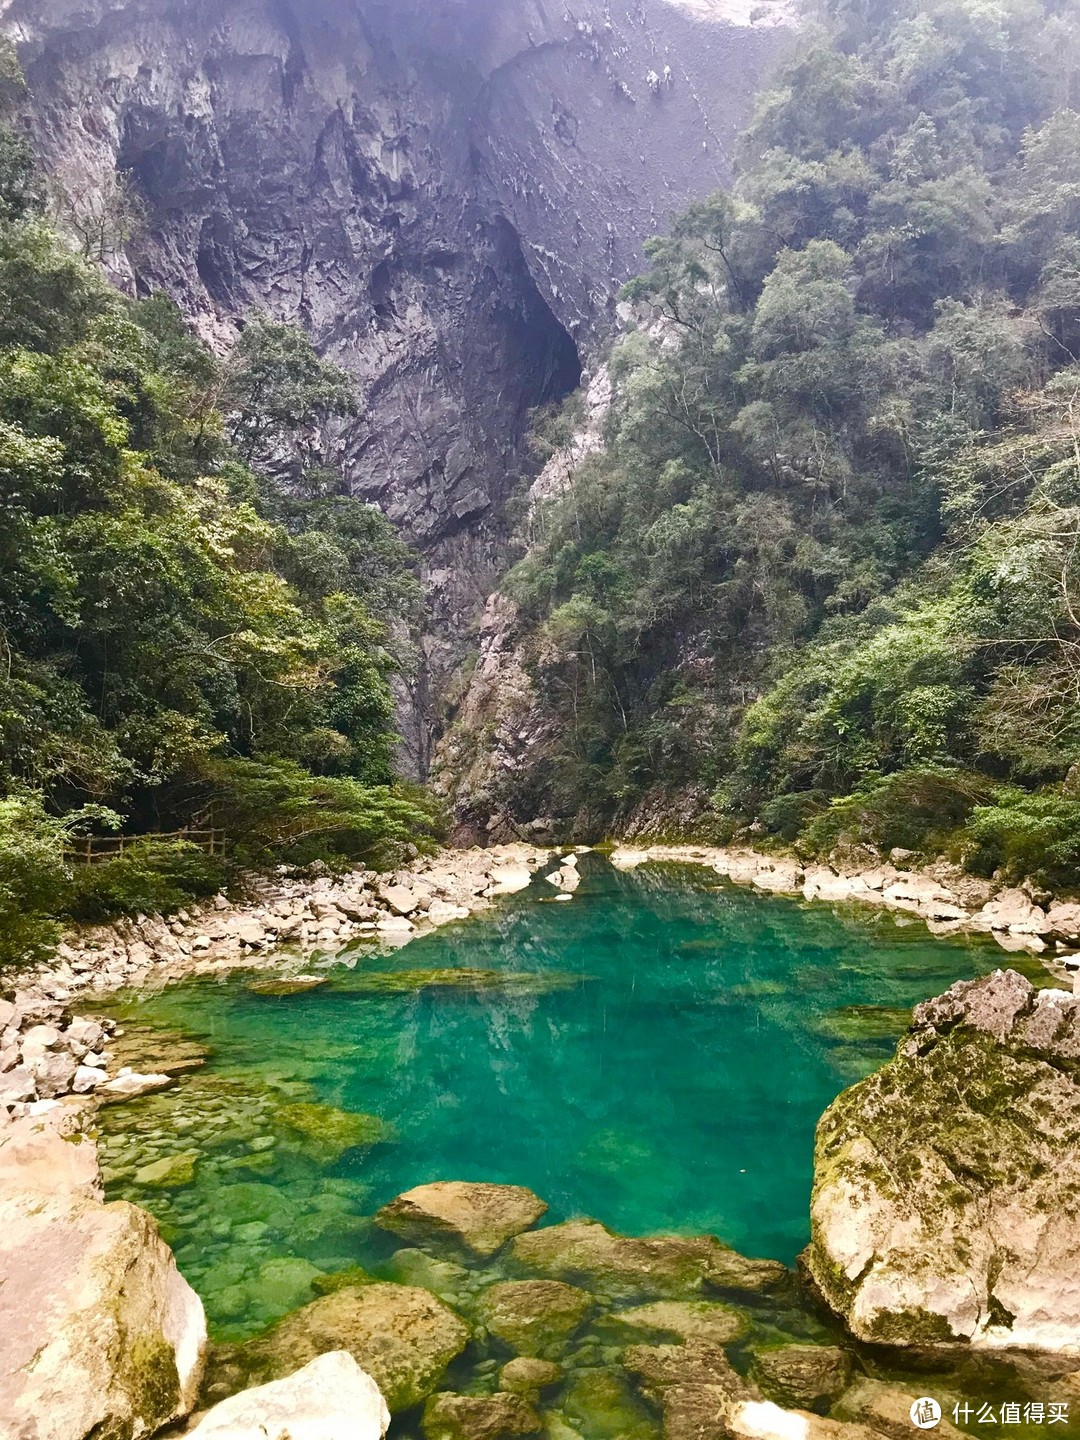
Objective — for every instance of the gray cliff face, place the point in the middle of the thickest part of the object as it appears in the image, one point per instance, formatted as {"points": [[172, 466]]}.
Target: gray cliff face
{"points": [[446, 193]]}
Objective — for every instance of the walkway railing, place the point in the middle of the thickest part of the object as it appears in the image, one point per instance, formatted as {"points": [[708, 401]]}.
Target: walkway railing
{"points": [[95, 849]]}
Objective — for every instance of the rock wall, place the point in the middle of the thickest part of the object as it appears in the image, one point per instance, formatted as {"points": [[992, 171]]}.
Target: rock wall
{"points": [[446, 195]]}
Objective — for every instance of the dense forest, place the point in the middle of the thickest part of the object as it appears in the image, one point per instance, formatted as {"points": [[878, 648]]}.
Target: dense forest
{"points": [[825, 570], [198, 627]]}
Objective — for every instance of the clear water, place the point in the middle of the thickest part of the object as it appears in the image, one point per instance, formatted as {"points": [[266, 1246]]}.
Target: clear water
{"points": [[659, 1062]]}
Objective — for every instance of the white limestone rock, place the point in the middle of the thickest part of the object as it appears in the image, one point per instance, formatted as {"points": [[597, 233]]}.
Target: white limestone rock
{"points": [[99, 1332], [129, 1083], [330, 1398], [947, 1185]]}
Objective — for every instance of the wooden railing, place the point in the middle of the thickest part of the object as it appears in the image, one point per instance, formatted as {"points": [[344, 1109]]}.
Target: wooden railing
{"points": [[95, 849]]}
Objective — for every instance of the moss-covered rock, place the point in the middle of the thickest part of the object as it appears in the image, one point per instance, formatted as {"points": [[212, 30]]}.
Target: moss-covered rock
{"points": [[602, 1405], [402, 1336], [805, 1377], [528, 1375], [327, 1132], [687, 1319], [475, 1217], [947, 1185], [533, 1316], [326, 1284], [662, 1266], [287, 984], [170, 1172], [480, 1417], [99, 1333]]}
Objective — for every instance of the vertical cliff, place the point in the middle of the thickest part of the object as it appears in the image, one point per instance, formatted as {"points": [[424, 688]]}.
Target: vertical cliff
{"points": [[446, 193]]}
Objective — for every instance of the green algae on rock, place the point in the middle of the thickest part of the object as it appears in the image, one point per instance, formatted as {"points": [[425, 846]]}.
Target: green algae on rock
{"points": [[405, 982], [279, 985], [601, 1403], [350, 1279], [478, 1217], [658, 1266], [709, 1320], [170, 1172], [480, 1417], [327, 1131], [528, 1375], [402, 1336], [947, 1185], [533, 1316], [442, 1277]]}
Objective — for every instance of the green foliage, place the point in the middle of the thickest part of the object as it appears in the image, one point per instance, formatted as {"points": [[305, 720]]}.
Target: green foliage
{"points": [[185, 584], [824, 567], [1024, 834], [35, 878], [150, 877], [278, 810], [914, 809]]}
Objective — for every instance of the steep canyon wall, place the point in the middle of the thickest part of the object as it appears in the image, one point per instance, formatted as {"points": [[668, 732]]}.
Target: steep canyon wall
{"points": [[445, 193]]}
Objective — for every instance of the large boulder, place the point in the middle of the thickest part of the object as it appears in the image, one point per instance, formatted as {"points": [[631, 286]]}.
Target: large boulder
{"points": [[330, 1398], [478, 1217], [946, 1197], [99, 1332], [401, 1335], [670, 1266]]}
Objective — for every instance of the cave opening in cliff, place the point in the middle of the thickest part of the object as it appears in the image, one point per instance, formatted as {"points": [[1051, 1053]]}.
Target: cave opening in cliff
{"points": [[539, 348]]}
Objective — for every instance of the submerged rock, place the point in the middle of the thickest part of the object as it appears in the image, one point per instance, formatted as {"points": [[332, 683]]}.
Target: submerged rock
{"points": [[806, 1377], [170, 1172], [415, 1267], [688, 1319], [406, 982], [531, 1316], [886, 1409], [480, 1417], [527, 1375], [601, 1404], [477, 1216], [702, 1397], [324, 1284], [669, 1266], [330, 1398], [328, 1132], [402, 1336], [287, 984], [947, 1185]]}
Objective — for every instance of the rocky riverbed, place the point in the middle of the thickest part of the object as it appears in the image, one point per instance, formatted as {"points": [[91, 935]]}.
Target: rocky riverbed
{"points": [[48, 1049], [944, 1215], [483, 1324]]}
